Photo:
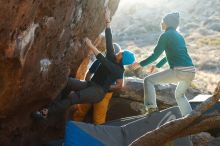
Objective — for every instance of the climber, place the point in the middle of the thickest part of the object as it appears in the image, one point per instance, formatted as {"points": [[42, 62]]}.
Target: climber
{"points": [[109, 71], [182, 70], [100, 108]]}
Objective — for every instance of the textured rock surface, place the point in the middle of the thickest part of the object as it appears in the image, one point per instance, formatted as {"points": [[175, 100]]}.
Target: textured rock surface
{"points": [[214, 142], [201, 139], [205, 139], [165, 92], [41, 43]]}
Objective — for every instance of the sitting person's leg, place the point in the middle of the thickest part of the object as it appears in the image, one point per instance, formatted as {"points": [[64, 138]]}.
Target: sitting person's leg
{"points": [[100, 109]]}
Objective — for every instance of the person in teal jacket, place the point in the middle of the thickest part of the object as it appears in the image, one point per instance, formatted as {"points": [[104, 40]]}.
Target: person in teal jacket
{"points": [[182, 70]]}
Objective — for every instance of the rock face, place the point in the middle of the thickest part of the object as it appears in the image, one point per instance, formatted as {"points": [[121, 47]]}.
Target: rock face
{"points": [[214, 142], [201, 139], [133, 90], [41, 44]]}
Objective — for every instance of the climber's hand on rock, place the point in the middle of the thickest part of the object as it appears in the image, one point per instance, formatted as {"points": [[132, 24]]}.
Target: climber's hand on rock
{"points": [[107, 16]]}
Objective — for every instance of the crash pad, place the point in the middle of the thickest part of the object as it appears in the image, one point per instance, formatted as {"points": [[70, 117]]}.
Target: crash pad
{"points": [[121, 132]]}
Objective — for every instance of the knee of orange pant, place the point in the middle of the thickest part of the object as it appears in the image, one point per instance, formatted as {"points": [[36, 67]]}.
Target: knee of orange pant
{"points": [[108, 96], [104, 102]]}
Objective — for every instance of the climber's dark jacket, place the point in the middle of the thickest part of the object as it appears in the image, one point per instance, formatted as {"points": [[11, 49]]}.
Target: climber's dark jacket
{"points": [[77, 91]]}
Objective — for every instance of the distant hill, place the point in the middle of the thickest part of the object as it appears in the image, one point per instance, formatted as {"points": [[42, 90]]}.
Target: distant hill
{"points": [[141, 16], [136, 26]]}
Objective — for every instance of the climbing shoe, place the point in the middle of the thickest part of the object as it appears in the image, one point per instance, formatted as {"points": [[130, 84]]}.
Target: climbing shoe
{"points": [[151, 110], [40, 115]]}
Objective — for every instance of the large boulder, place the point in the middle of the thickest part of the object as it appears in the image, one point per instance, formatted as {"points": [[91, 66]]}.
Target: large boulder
{"points": [[133, 89], [41, 44]]}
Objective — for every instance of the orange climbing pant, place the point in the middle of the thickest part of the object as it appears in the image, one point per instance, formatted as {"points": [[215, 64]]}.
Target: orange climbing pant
{"points": [[99, 110]]}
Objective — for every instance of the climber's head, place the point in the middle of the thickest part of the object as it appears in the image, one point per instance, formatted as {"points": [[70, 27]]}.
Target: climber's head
{"points": [[125, 57], [170, 20], [117, 48]]}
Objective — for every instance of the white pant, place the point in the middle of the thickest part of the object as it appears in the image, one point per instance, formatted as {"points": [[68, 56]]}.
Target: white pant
{"points": [[169, 76]]}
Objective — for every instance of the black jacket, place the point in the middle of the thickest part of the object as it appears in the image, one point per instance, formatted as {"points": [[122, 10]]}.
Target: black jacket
{"points": [[108, 71]]}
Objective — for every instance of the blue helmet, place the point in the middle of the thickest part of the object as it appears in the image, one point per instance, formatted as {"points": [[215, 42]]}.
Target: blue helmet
{"points": [[127, 57]]}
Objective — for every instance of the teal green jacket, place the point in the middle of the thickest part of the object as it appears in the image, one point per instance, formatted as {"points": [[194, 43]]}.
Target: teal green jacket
{"points": [[175, 48]]}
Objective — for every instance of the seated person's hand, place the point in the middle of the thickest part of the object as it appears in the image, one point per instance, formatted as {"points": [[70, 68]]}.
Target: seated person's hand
{"points": [[135, 66]]}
